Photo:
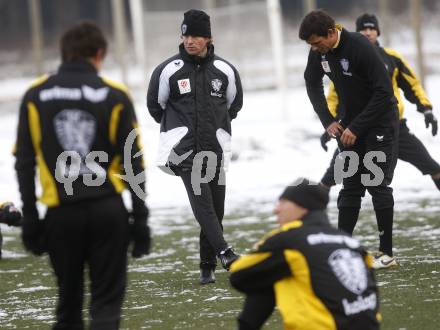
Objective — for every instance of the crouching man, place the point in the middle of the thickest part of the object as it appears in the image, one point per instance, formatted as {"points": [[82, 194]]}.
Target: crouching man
{"points": [[317, 276]]}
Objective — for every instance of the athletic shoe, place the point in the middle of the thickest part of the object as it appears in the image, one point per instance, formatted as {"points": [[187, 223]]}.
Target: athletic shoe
{"points": [[382, 260], [207, 276], [227, 257]]}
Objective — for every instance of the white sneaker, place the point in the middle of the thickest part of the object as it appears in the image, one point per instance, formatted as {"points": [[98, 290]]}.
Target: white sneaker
{"points": [[382, 260]]}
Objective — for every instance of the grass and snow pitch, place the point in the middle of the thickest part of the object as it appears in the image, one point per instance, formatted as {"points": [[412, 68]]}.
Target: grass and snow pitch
{"points": [[163, 290], [270, 149]]}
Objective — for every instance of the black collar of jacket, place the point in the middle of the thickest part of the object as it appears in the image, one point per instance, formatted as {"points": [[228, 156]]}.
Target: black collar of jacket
{"points": [[77, 66], [316, 217], [196, 59]]}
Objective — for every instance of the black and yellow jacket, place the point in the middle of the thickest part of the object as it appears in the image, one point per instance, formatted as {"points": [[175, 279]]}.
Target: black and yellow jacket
{"points": [[402, 77], [74, 110], [321, 278], [361, 81]]}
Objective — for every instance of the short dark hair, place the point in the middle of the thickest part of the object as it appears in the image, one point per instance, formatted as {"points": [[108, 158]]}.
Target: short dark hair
{"points": [[316, 22], [82, 41]]}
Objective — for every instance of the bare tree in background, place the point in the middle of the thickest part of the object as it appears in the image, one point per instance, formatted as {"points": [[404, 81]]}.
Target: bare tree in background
{"points": [[37, 34]]}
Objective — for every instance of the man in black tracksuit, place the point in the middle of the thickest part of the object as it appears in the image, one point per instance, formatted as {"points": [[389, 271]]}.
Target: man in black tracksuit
{"points": [[318, 277], [369, 123], [77, 129], [411, 149], [194, 95]]}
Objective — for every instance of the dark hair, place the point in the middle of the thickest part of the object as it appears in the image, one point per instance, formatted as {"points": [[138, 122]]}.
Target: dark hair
{"points": [[82, 41], [316, 22]]}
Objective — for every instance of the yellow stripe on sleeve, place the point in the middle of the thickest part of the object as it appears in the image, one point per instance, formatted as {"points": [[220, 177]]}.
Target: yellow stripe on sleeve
{"points": [[332, 100], [114, 122], [249, 260], [397, 94], [114, 171], [299, 306], [411, 78], [50, 193]]}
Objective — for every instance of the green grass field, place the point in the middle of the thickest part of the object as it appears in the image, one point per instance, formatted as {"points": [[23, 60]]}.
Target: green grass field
{"points": [[163, 290]]}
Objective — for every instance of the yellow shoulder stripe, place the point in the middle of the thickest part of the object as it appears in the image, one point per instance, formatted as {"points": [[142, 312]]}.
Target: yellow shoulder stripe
{"points": [[392, 52], [287, 226], [117, 85], [39, 81], [249, 260], [411, 78], [290, 225]]}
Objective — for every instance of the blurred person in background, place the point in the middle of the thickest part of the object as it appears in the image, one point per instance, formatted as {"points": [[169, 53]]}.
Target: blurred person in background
{"points": [[318, 276], [194, 95], [77, 112], [9, 215], [410, 148], [368, 125]]}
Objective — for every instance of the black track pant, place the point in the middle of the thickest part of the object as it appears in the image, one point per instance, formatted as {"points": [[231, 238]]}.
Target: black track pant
{"points": [[385, 141], [208, 208], [376, 140], [411, 150], [93, 233]]}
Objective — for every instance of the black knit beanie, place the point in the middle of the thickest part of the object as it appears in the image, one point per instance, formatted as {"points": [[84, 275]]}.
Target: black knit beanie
{"points": [[310, 195], [196, 23], [367, 21]]}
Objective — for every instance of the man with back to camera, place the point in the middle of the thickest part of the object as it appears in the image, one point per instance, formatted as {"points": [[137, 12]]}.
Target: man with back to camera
{"points": [[410, 148], [194, 95], [318, 276], [90, 118], [369, 123]]}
